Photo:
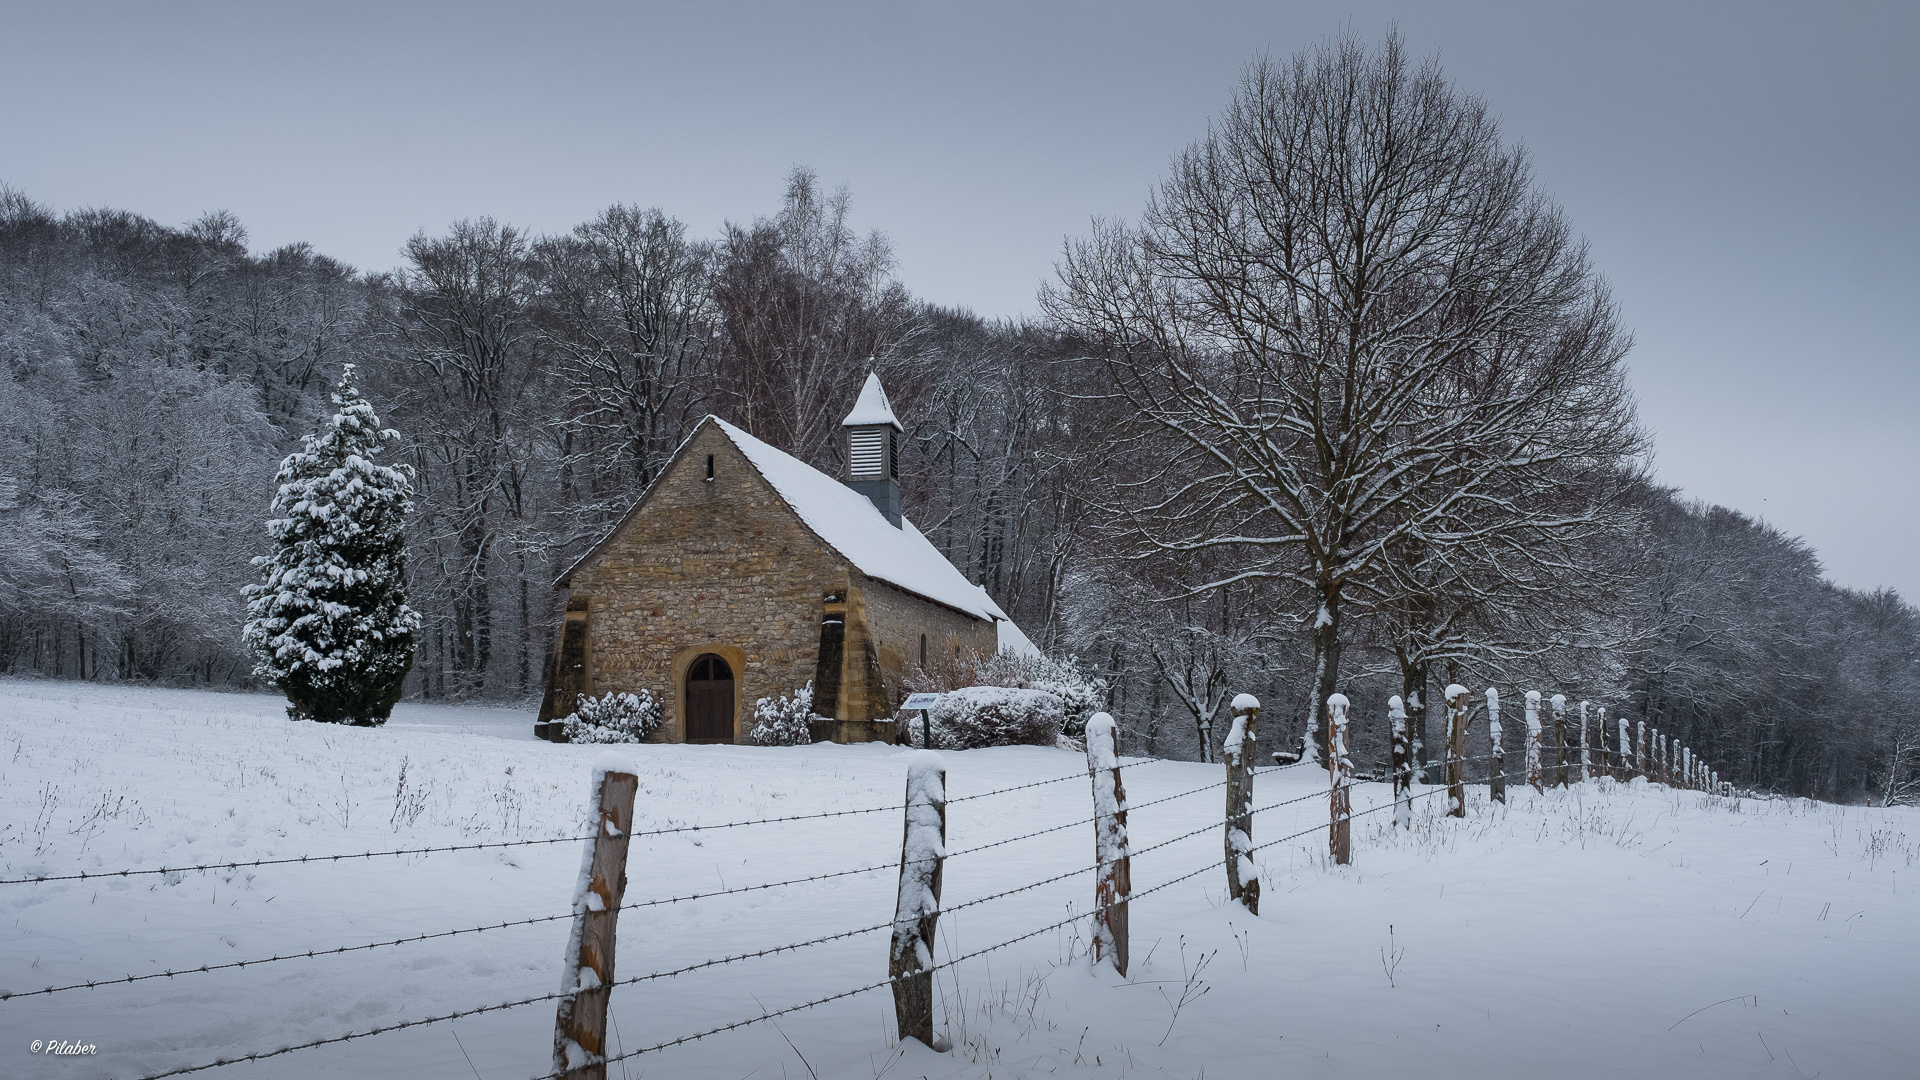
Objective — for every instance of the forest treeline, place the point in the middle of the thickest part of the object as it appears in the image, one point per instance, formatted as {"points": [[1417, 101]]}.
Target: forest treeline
{"points": [[1070, 463]]}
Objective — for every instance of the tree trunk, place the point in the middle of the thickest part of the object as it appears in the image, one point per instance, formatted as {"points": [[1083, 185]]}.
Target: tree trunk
{"points": [[1413, 690], [1326, 668]]}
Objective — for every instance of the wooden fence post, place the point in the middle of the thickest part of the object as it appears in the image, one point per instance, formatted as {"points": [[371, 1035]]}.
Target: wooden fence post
{"points": [[1641, 765], [1402, 763], [1114, 879], [1586, 757], [1243, 881], [1660, 757], [923, 853], [1497, 779], [1457, 720], [580, 1022], [1340, 782], [1533, 741], [1624, 770], [1600, 767], [1560, 740]]}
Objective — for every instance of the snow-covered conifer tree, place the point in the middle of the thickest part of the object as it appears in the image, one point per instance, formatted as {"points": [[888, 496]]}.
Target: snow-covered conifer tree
{"points": [[329, 623]]}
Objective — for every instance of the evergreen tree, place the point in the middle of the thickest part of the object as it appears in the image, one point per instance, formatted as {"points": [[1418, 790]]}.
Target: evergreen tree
{"points": [[329, 624]]}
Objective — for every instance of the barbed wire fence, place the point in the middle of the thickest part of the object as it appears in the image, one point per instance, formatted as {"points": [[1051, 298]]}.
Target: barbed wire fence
{"points": [[1651, 755]]}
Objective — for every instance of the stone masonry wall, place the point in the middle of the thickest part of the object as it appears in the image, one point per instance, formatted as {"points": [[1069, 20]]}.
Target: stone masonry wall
{"points": [[721, 566], [896, 619]]}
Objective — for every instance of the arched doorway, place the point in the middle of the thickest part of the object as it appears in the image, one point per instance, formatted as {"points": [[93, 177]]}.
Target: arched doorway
{"points": [[709, 700]]}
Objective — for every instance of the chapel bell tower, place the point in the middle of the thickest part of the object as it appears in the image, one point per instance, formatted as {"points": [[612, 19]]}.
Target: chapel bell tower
{"points": [[873, 449]]}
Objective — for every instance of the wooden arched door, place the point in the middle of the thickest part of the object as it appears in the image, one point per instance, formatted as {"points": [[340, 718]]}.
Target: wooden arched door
{"points": [[709, 700]]}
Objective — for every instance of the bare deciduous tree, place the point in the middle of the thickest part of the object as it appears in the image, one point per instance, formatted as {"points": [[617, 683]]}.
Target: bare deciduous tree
{"points": [[1358, 326]]}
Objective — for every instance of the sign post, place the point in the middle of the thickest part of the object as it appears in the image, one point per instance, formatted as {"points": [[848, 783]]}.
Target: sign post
{"points": [[924, 703]]}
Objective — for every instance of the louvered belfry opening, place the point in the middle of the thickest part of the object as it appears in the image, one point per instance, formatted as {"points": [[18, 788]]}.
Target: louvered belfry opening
{"points": [[867, 453]]}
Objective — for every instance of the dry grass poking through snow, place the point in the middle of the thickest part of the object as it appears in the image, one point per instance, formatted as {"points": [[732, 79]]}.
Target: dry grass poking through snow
{"points": [[1605, 930]]}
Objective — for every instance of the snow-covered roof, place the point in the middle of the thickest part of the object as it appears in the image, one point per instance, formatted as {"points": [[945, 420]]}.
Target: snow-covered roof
{"points": [[1012, 639], [849, 523], [872, 408]]}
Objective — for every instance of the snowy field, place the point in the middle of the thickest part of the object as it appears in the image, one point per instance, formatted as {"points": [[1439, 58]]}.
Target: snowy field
{"points": [[1606, 931]]}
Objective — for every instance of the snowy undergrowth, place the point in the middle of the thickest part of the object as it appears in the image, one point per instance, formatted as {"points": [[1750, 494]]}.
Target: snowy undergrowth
{"points": [[1605, 930]]}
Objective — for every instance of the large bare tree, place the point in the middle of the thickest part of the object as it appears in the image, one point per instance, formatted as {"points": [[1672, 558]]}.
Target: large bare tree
{"points": [[1355, 324]]}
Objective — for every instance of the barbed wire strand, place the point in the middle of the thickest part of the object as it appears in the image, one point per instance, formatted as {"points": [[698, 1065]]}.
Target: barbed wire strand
{"points": [[1081, 775], [968, 956], [307, 955], [445, 1017], [313, 953], [350, 1036], [305, 859], [86, 876]]}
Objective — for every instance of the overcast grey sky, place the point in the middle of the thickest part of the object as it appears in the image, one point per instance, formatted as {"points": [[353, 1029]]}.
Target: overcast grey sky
{"points": [[1746, 172]]}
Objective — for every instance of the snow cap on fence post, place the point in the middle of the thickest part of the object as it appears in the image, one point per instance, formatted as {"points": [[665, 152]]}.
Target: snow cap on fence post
{"points": [[1402, 762], [1626, 750], [1340, 774], [923, 852], [1533, 740], [1457, 720], [1113, 878], [1243, 880]]}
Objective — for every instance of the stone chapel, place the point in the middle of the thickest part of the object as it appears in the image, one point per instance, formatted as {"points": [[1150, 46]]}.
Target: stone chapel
{"points": [[742, 573]]}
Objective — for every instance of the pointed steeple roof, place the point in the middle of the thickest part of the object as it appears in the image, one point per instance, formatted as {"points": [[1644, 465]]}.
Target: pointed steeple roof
{"points": [[872, 408]]}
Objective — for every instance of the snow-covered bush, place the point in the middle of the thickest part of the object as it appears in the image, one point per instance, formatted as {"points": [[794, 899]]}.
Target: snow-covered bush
{"points": [[1081, 693], [977, 716], [613, 718], [783, 720], [329, 622]]}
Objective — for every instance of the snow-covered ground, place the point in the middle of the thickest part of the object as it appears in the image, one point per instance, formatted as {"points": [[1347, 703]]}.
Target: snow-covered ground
{"points": [[1606, 931]]}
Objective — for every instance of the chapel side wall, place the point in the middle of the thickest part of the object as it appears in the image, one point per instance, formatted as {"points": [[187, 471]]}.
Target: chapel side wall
{"points": [[723, 563], [895, 619]]}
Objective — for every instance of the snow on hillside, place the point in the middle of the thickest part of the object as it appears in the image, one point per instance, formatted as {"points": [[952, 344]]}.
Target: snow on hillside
{"points": [[1611, 930]]}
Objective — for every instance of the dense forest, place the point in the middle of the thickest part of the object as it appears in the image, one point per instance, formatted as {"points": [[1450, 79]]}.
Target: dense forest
{"points": [[1093, 467]]}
